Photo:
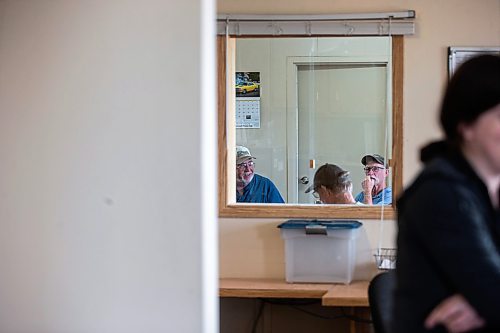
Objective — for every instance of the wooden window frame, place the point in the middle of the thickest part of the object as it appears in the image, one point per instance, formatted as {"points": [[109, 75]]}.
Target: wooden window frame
{"points": [[312, 211]]}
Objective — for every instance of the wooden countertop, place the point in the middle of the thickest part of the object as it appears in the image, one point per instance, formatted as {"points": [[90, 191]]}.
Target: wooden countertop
{"points": [[354, 294]]}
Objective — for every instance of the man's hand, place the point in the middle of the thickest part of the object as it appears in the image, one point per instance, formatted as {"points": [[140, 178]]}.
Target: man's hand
{"points": [[456, 314], [367, 184]]}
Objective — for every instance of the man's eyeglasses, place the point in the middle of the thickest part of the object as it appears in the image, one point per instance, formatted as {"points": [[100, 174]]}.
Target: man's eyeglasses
{"points": [[315, 192], [245, 165], [373, 168]]}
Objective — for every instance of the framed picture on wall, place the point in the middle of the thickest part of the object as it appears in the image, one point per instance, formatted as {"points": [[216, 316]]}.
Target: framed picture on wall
{"points": [[459, 55], [247, 84]]}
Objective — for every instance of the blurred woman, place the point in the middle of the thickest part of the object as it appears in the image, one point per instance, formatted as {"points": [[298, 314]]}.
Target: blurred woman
{"points": [[448, 267]]}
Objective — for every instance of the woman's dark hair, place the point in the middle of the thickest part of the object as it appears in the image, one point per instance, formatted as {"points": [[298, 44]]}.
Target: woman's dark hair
{"points": [[474, 89]]}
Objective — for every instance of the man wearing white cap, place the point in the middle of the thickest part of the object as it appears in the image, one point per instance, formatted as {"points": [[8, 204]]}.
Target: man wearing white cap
{"points": [[375, 190], [251, 187]]}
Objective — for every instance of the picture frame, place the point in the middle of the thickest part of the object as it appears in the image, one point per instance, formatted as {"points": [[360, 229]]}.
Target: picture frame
{"points": [[459, 55]]}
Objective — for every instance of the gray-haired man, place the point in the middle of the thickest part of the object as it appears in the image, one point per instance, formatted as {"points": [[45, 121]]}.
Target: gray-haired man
{"points": [[251, 187], [375, 190]]}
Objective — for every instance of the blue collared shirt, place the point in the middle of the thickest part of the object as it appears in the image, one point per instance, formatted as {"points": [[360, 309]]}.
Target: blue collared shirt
{"points": [[260, 190], [386, 194]]}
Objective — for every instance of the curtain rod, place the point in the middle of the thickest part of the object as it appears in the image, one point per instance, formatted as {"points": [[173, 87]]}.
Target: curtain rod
{"points": [[316, 28], [408, 14]]}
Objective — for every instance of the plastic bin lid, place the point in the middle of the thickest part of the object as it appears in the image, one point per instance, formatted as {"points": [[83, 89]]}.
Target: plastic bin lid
{"points": [[329, 224]]}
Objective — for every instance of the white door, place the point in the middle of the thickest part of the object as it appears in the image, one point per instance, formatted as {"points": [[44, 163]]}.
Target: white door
{"points": [[338, 111]]}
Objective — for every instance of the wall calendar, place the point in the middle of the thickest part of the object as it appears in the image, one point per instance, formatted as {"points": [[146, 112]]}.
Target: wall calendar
{"points": [[247, 112]]}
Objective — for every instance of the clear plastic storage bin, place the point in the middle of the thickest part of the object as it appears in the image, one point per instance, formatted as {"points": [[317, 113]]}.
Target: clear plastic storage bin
{"points": [[320, 251]]}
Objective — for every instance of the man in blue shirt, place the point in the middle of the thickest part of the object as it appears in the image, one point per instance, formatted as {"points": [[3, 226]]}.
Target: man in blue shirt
{"points": [[251, 187], [375, 190]]}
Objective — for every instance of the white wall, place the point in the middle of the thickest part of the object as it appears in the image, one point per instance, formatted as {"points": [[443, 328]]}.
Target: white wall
{"points": [[107, 167]]}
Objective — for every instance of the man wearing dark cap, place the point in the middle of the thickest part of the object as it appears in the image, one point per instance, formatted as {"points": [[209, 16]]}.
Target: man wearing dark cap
{"points": [[375, 190], [332, 185], [251, 187]]}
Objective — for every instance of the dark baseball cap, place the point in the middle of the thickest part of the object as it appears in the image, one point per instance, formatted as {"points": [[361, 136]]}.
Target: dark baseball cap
{"points": [[329, 175], [373, 158]]}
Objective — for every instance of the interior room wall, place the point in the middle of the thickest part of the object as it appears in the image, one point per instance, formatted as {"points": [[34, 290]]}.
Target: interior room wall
{"points": [[107, 223], [253, 247]]}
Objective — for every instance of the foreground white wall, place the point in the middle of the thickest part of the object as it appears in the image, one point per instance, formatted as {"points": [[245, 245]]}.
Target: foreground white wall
{"points": [[107, 195]]}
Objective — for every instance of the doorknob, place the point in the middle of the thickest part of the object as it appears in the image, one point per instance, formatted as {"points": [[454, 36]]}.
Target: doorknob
{"points": [[304, 180]]}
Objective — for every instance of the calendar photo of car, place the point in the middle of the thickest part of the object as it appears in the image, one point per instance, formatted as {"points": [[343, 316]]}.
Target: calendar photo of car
{"points": [[247, 84]]}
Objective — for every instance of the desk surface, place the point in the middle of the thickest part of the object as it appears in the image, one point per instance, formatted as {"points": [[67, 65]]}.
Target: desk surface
{"points": [[354, 294]]}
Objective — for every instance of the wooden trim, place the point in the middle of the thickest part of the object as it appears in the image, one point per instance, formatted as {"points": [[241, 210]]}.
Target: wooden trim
{"points": [[306, 211], [397, 115], [312, 211], [221, 106]]}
